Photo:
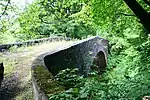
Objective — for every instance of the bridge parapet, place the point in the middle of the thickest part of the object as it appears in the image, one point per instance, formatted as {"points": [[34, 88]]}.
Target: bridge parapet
{"points": [[79, 55]]}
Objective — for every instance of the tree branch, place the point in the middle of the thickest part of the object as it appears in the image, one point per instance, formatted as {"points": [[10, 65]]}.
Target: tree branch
{"points": [[147, 2], [6, 7], [127, 14]]}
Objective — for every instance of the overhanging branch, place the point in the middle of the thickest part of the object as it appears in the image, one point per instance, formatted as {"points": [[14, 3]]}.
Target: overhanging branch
{"points": [[140, 12], [127, 14], [5, 9], [147, 2]]}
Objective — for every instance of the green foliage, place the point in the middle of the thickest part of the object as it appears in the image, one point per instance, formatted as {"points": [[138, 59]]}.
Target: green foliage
{"points": [[8, 23], [104, 87], [122, 31], [65, 18], [29, 23], [127, 75], [128, 62], [6, 33], [44, 18], [68, 78]]}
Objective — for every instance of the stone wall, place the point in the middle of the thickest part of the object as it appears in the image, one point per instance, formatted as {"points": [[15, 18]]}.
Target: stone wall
{"points": [[80, 55], [31, 42]]}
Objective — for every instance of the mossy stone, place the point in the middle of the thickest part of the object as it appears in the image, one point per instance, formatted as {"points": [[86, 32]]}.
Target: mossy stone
{"points": [[46, 81]]}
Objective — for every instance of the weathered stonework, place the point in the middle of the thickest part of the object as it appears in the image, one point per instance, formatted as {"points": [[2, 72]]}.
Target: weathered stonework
{"points": [[81, 55], [31, 42]]}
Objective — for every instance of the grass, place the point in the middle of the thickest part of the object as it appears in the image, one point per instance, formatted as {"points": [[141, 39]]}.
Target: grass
{"points": [[19, 59], [9, 65]]}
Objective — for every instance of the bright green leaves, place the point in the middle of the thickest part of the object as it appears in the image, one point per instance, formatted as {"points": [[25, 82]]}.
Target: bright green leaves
{"points": [[59, 17], [107, 13], [69, 78], [104, 87]]}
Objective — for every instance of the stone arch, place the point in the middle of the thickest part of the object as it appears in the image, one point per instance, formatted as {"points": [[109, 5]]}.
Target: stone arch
{"points": [[99, 62]]}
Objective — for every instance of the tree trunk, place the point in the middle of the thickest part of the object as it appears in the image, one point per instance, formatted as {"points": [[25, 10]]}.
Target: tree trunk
{"points": [[139, 12]]}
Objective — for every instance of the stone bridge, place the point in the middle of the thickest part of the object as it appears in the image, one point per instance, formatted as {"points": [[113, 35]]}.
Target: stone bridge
{"points": [[83, 55]]}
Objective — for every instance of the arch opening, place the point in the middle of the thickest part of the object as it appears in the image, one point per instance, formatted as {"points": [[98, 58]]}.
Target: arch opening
{"points": [[99, 63]]}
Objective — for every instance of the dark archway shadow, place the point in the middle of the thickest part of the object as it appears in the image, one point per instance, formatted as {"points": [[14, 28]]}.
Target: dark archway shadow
{"points": [[99, 63]]}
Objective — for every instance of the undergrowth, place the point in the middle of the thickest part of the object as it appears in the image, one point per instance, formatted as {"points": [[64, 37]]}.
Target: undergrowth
{"points": [[127, 78]]}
